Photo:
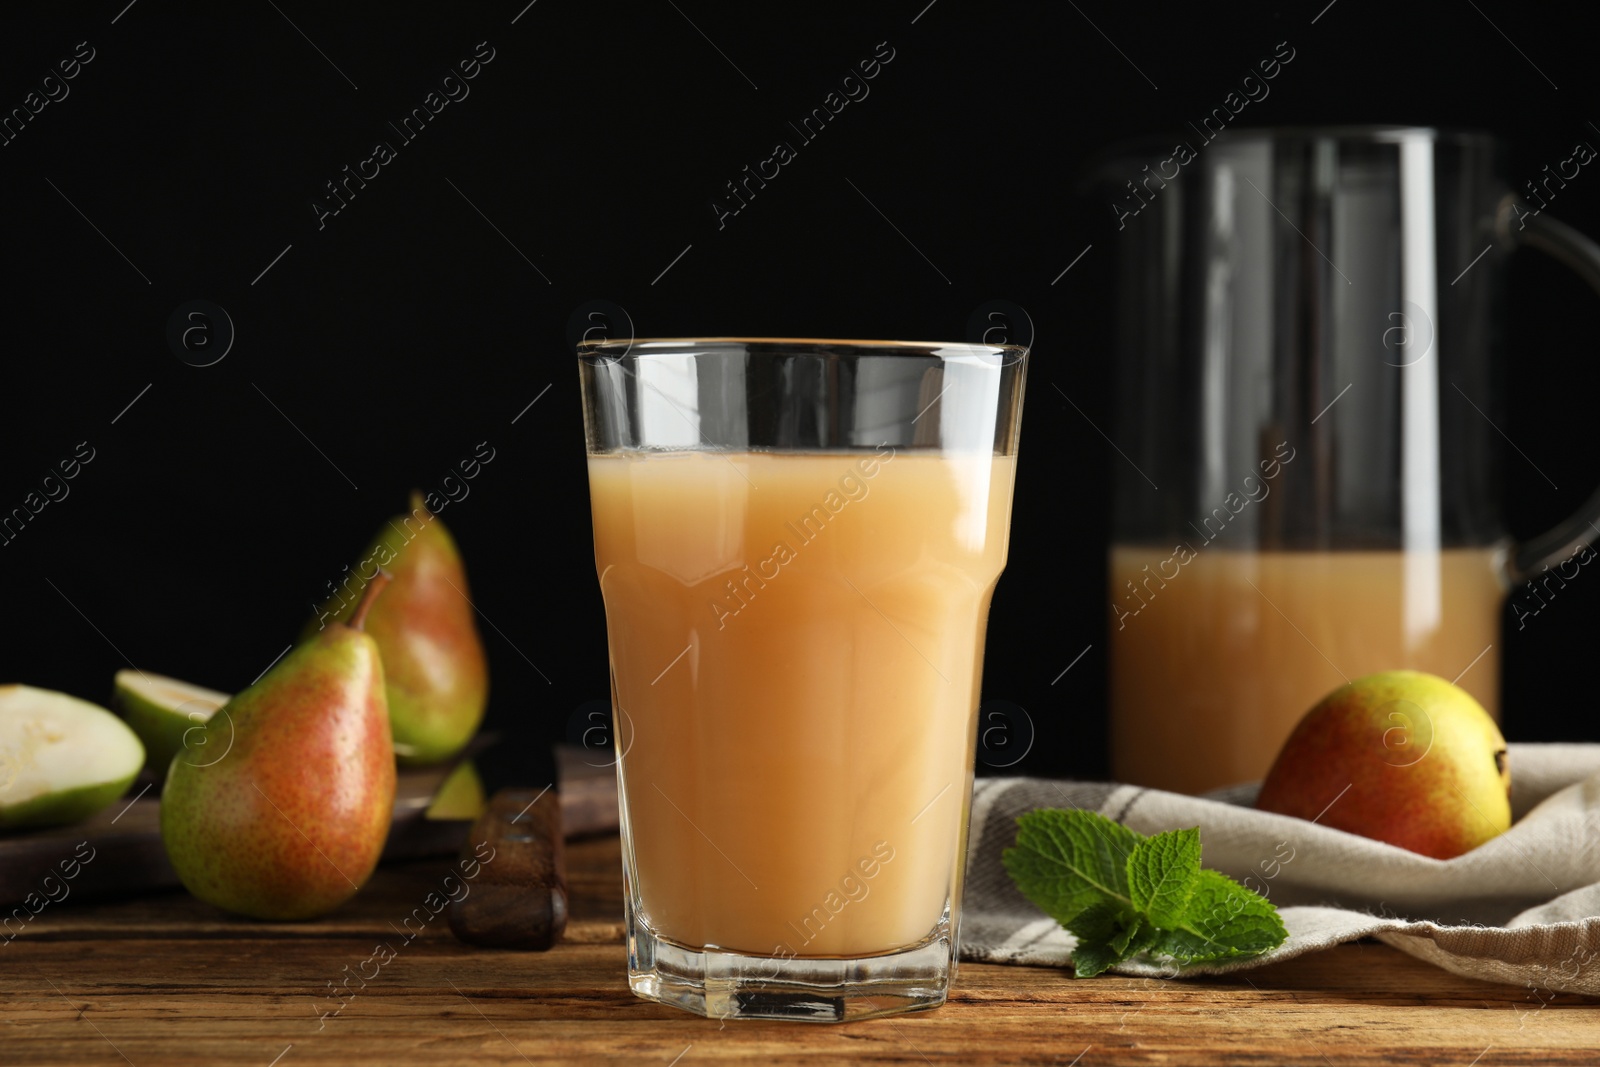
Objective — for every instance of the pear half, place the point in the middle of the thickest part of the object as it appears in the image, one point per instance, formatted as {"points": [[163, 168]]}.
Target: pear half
{"points": [[61, 759], [162, 710]]}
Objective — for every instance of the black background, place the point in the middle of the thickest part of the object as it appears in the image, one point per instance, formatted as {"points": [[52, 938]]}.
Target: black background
{"points": [[413, 326]]}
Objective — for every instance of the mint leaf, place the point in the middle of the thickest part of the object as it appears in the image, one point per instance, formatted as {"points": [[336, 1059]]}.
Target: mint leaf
{"points": [[1162, 871], [1066, 861], [1224, 921], [1108, 934], [1100, 922], [1135, 939], [1122, 894], [1093, 957]]}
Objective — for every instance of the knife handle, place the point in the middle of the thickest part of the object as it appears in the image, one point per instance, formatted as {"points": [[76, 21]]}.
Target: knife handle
{"points": [[519, 900]]}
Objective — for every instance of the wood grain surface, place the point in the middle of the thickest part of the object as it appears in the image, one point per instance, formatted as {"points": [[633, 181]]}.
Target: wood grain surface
{"points": [[164, 979]]}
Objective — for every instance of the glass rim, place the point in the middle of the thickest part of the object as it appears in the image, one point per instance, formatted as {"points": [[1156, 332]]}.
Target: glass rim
{"points": [[673, 345], [1374, 132], [1379, 132]]}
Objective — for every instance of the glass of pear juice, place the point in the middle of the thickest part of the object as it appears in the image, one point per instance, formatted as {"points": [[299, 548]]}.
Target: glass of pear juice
{"points": [[797, 542]]}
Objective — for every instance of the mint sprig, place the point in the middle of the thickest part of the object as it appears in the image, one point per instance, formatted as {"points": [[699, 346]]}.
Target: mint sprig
{"points": [[1122, 894]]}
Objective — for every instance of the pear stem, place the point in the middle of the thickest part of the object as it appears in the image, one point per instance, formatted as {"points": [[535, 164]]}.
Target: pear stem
{"points": [[375, 584]]}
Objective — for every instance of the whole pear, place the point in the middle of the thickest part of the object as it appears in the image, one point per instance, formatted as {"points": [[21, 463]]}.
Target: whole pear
{"points": [[433, 660], [282, 811], [1400, 756]]}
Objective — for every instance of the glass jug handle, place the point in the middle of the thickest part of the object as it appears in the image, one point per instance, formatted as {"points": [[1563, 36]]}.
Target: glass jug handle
{"points": [[1538, 230]]}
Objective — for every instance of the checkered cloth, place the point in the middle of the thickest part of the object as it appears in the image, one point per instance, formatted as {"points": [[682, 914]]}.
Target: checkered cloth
{"points": [[1523, 908]]}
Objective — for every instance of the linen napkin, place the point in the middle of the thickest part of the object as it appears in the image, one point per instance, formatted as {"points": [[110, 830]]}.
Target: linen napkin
{"points": [[1523, 908]]}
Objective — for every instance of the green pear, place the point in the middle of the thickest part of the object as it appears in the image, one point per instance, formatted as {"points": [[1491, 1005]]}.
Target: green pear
{"points": [[162, 711], [61, 759], [1401, 756], [286, 814], [438, 677]]}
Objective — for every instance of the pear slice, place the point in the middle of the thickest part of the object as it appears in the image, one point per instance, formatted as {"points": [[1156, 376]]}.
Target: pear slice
{"points": [[460, 797], [61, 759], [162, 711]]}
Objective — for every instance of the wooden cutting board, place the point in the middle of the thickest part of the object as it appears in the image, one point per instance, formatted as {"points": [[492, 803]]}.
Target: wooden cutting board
{"points": [[127, 855]]}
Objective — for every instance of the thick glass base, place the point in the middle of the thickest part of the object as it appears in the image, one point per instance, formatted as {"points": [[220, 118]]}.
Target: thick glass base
{"points": [[730, 985]]}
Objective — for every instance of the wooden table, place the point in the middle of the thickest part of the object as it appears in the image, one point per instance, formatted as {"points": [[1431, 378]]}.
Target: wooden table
{"points": [[167, 980]]}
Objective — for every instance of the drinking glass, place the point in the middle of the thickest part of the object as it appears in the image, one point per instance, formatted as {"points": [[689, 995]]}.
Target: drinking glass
{"points": [[797, 542], [1309, 369]]}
